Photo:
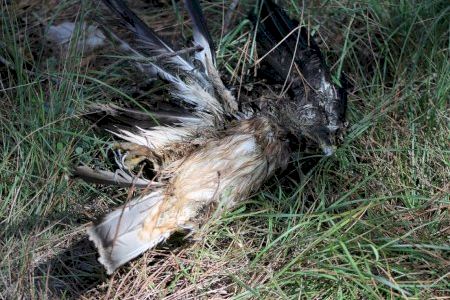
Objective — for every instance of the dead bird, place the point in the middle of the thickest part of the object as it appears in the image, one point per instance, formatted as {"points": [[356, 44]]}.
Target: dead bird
{"points": [[211, 150]]}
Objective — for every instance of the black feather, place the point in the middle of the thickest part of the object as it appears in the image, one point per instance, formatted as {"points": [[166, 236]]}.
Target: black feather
{"points": [[315, 105], [201, 32], [153, 45], [113, 117], [275, 26], [135, 24]]}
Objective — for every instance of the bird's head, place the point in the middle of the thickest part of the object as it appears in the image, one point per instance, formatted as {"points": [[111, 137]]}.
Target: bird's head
{"points": [[314, 118]]}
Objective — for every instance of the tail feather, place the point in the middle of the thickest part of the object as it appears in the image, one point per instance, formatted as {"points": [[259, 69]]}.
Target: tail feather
{"points": [[117, 237]]}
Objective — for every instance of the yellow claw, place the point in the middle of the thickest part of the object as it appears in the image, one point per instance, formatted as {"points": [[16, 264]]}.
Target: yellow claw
{"points": [[135, 154]]}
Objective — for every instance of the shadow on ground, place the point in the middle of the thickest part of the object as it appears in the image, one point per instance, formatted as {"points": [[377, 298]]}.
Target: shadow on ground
{"points": [[72, 272], [76, 271]]}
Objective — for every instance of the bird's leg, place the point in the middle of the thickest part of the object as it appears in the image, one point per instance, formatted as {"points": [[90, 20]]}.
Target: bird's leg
{"points": [[192, 229], [134, 154]]}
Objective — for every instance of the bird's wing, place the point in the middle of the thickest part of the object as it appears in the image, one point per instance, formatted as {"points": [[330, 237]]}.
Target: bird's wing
{"points": [[114, 118], [283, 41], [201, 88]]}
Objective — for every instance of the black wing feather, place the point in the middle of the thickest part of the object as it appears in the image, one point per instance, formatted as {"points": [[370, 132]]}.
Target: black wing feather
{"points": [[113, 117], [154, 45], [201, 32], [135, 24], [275, 26]]}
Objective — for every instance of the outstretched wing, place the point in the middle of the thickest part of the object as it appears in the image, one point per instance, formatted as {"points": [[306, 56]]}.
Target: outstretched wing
{"points": [[164, 133], [197, 87]]}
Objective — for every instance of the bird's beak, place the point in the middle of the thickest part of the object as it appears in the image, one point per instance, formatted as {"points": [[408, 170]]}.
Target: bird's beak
{"points": [[327, 150]]}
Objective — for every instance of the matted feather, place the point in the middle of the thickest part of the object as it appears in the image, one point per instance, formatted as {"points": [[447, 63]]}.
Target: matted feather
{"points": [[222, 171]]}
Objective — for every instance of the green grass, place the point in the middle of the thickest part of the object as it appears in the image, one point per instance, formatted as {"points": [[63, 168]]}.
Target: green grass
{"points": [[371, 222]]}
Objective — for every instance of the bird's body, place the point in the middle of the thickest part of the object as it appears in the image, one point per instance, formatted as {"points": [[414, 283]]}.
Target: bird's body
{"points": [[212, 155], [222, 171]]}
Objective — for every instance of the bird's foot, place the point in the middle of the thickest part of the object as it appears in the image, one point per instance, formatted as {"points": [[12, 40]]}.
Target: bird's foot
{"points": [[130, 155]]}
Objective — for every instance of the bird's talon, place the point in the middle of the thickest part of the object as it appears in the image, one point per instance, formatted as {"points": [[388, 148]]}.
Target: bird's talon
{"points": [[130, 155]]}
